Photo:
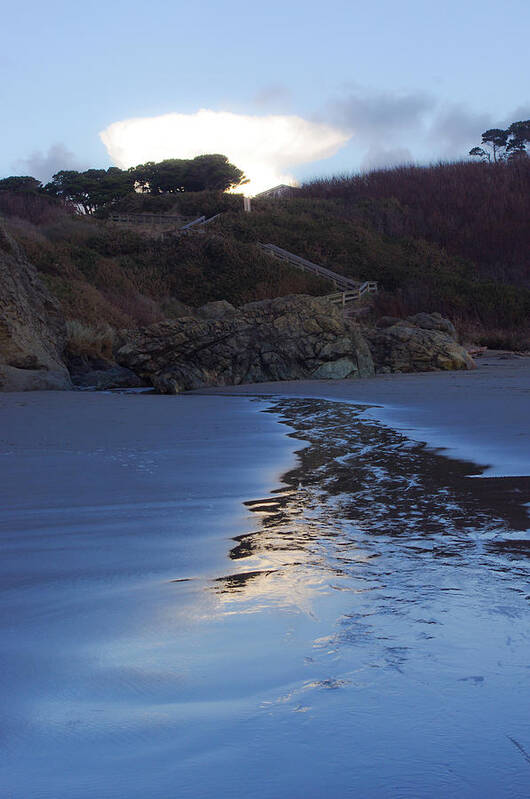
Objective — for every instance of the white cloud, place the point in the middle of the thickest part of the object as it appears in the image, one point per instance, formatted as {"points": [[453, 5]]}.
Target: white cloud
{"points": [[266, 148]]}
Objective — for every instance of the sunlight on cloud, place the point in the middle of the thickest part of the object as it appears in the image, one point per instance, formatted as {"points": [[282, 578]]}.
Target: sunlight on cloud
{"points": [[266, 148]]}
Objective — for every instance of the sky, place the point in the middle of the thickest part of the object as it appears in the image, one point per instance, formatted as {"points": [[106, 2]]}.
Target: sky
{"points": [[288, 90]]}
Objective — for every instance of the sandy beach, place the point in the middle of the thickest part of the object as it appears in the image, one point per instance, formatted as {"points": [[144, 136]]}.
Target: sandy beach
{"points": [[480, 415], [191, 609]]}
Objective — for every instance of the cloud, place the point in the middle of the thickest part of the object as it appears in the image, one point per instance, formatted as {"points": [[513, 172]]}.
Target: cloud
{"points": [[378, 115], [384, 126], [454, 129], [266, 148], [380, 157], [388, 129], [274, 94], [43, 165]]}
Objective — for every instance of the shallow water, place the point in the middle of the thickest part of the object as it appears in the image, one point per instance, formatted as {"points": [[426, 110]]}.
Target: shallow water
{"points": [[359, 630]]}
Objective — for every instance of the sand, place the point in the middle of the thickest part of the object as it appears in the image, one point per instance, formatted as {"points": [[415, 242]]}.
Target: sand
{"points": [[178, 621], [481, 416]]}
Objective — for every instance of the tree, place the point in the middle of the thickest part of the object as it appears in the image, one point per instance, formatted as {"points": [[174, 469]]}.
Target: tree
{"points": [[518, 139], [213, 172], [174, 175], [504, 145], [93, 189], [166, 177], [20, 183]]}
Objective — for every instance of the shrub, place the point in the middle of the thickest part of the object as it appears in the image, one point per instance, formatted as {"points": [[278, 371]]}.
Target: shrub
{"points": [[90, 341]]}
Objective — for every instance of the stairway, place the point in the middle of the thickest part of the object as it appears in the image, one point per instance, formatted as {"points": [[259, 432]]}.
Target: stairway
{"points": [[352, 290]]}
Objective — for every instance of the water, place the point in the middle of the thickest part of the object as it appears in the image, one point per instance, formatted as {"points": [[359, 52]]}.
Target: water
{"points": [[359, 630]]}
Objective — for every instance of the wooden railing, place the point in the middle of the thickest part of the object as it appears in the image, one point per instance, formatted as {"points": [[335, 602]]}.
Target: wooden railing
{"points": [[145, 219], [160, 219], [345, 297], [353, 290]]}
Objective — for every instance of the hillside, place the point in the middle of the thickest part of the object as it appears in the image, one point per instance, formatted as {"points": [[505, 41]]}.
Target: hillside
{"points": [[453, 238]]}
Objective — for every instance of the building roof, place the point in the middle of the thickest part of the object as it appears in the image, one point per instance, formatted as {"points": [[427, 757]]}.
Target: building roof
{"points": [[276, 191]]}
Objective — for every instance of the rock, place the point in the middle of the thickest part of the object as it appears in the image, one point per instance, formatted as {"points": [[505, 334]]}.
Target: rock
{"points": [[337, 370], [433, 321], [287, 338], [421, 343], [104, 379], [32, 332], [173, 308], [387, 321], [215, 310], [13, 379]]}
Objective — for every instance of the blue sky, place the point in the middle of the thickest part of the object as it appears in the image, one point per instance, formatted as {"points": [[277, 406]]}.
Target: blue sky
{"points": [[401, 81]]}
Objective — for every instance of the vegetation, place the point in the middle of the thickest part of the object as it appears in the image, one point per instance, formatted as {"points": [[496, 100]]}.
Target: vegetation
{"points": [[504, 145], [89, 342], [475, 211], [98, 190], [451, 237]]}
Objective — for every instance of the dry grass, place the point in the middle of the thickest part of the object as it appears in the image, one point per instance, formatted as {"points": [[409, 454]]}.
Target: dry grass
{"points": [[90, 341]]}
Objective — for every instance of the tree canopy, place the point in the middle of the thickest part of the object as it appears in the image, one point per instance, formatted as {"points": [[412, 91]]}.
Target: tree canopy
{"points": [[93, 189], [20, 183], [504, 145], [213, 172], [97, 189]]}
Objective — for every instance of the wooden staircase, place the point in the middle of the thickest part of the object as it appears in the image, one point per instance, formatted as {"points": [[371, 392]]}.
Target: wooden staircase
{"points": [[352, 290]]}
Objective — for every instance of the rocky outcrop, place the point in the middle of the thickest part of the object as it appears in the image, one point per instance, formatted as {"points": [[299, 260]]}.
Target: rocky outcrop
{"points": [[31, 327], [288, 338], [217, 309], [420, 343], [111, 377]]}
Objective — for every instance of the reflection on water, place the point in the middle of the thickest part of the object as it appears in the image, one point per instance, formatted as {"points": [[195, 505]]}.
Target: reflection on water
{"points": [[366, 635], [360, 489], [420, 573]]}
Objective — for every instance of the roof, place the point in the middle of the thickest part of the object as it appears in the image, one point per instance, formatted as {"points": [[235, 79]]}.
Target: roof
{"points": [[277, 191]]}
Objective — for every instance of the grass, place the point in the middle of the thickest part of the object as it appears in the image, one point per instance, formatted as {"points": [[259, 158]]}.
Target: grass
{"points": [[453, 238], [88, 341]]}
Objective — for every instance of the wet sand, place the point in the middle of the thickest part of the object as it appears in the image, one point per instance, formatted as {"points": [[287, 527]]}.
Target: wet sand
{"points": [[180, 620], [481, 415]]}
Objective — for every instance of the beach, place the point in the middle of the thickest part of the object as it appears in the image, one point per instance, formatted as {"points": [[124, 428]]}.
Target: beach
{"points": [[480, 415], [277, 590]]}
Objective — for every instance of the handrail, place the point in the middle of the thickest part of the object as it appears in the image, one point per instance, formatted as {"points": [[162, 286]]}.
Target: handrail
{"points": [[345, 297], [160, 219], [154, 219], [353, 289], [198, 221]]}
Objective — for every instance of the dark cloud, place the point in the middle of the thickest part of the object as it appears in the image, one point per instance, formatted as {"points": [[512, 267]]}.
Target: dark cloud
{"points": [[43, 165], [378, 157], [376, 115], [396, 128], [454, 129], [518, 114]]}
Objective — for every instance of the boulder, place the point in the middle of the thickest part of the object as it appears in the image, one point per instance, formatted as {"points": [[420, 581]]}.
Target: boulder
{"points": [[288, 338], [420, 343], [217, 309], [433, 321], [32, 332]]}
